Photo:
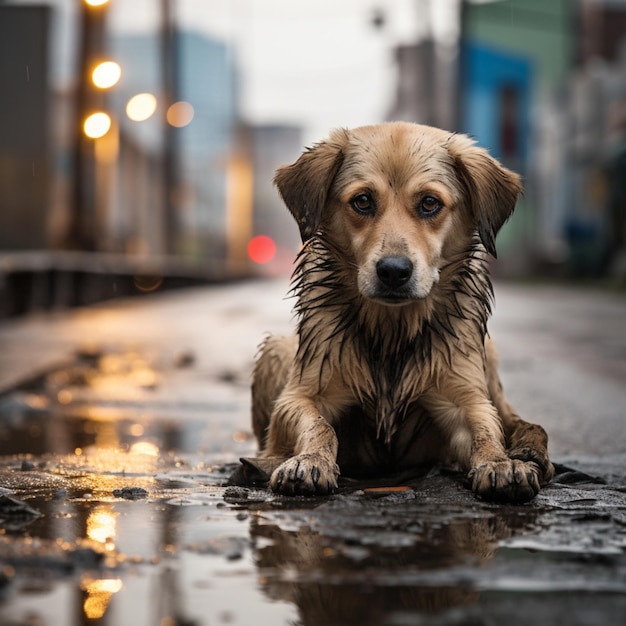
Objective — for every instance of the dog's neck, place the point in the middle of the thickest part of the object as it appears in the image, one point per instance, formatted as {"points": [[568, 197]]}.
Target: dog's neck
{"points": [[388, 341]]}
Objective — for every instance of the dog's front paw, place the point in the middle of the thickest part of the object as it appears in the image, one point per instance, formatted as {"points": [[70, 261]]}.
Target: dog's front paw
{"points": [[305, 474], [536, 457], [506, 481]]}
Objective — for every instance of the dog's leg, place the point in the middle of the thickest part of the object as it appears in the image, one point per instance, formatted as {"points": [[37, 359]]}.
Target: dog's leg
{"points": [[494, 474], [299, 431], [524, 441], [271, 372], [290, 425], [471, 424]]}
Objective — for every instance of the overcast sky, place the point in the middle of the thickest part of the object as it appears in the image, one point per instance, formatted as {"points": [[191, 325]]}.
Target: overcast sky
{"points": [[319, 63]]}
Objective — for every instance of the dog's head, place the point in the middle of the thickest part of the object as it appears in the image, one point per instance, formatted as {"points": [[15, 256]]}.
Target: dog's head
{"points": [[401, 200]]}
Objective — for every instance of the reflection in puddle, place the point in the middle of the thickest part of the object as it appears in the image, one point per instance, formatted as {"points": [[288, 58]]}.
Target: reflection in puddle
{"points": [[101, 524], [361, 563], [99, 593]]}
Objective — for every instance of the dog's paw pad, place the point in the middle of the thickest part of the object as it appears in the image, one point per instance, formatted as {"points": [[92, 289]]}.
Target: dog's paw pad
{"points": [[306, 474], [506, 481]]}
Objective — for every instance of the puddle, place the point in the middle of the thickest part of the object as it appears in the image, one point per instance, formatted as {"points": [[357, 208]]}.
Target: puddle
{"points": [[115, 512]]}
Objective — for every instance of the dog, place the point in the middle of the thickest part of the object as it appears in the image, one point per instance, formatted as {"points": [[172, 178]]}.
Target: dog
{"points": [[391, 367]]}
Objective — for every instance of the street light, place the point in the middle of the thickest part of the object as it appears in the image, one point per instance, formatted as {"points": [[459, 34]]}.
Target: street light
{"points": [[140, 107], [106, 74], [97, 125]]}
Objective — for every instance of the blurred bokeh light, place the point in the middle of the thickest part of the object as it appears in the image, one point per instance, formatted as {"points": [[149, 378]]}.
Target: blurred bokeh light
{"points": [[97, 125], [141, 107], [106, 74], [180, 114]]}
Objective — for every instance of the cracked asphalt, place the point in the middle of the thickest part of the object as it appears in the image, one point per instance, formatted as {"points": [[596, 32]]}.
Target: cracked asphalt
{"points": [[121, 423]]}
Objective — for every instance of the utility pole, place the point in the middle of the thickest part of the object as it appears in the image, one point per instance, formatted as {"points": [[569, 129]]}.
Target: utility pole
{"points": [[81, 233], [461, 67], [169, 68]]}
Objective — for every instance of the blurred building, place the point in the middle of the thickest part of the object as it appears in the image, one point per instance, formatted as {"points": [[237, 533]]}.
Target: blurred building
{"points": [[517, 57], [543, 82], [24, 127], [595, 143], [270, 147], [206, 81], [426, 90]]}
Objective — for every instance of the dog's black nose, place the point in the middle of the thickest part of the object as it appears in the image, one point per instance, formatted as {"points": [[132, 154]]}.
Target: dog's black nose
{"points": [[394, 271]]}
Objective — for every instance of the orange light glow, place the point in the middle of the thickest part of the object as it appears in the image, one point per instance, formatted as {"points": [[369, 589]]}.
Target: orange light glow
{"points": [[144, 447], [101, 525], [97, 125], [99, 593], [261, 249], [106, 74], [180, 114]]}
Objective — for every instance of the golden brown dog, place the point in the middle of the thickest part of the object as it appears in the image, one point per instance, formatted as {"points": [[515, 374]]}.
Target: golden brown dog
{"points": [[392, 367]]}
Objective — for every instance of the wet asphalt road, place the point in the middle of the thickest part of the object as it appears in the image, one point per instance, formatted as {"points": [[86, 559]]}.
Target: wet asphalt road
{"points": [[119, 425]]}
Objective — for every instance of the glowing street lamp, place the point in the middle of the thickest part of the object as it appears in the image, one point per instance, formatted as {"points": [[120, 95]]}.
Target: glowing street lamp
{"points": [[106, 74], [97, 125], [141, 107]]}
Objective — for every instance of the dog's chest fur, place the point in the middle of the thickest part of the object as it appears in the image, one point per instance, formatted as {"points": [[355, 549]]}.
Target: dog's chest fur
{"points": [[386, 357], [390, 381]]}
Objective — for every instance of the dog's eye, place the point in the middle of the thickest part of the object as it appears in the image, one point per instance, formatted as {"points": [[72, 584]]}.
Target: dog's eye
{"points": [[429, 206], [363, 203]]}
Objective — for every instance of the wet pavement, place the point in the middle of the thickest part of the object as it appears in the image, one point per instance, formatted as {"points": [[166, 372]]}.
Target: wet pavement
{"points": [[120, 424]]}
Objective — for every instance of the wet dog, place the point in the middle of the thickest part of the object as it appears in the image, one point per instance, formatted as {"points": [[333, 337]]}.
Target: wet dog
{"points": [[392, 367]]}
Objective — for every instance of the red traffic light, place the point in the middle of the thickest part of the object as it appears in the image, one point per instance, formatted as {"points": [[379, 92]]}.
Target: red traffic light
{"points": [[261, 249]]}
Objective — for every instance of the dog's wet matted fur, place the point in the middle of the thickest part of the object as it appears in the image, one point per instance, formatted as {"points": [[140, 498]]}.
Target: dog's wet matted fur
{"points": [[391, 367]]}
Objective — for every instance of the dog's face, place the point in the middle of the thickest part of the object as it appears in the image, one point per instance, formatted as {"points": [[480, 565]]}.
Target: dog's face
{"points": [[400, 199]]}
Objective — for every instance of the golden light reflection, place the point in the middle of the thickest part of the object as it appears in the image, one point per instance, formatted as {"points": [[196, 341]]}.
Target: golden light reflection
{"points": [[141, 107], [106, 74], [122, 375], [112, 363], [96, 3], [99, 593], [101, 525], [144, 447], [64, 396], [180, 114], [143, 375]]}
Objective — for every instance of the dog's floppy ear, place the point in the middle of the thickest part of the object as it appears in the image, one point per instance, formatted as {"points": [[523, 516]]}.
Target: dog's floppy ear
{"points": [[492, 189], [304, 185]]}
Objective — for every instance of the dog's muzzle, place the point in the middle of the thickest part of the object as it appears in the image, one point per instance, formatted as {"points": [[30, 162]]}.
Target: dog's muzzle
{"points": [[394, 271], [394, 279]]}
